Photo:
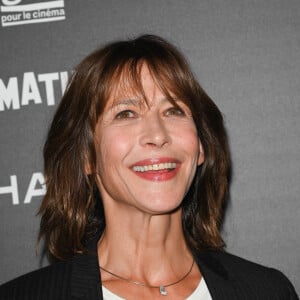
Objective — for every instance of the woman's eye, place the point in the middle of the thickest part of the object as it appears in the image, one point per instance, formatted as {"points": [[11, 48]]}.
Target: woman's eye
{"points": [[175, 111], [125, 114]]}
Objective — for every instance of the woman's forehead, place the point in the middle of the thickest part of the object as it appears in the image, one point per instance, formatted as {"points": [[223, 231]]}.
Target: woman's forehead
{"points": [[128, 95], [128, 85], [132, 82]]}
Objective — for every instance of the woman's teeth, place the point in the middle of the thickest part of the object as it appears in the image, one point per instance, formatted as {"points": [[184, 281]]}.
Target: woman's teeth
{"points": [[155, 167]]}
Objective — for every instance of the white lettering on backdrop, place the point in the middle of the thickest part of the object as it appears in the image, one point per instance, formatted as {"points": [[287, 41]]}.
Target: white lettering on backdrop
{"points": [[36, 187], [15, 94]]}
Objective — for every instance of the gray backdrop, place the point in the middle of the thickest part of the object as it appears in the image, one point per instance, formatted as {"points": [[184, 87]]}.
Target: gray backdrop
{"points": [[246, 54]]}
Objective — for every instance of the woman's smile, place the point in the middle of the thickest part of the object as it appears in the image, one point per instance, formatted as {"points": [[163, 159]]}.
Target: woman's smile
{"points": [[158, 169]]}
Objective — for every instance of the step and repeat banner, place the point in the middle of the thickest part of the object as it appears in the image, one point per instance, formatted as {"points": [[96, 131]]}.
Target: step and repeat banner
{"points": [[246, 55]]}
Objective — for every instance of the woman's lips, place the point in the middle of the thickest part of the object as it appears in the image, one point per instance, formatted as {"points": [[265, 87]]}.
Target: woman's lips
{"points": [[157, 169]]}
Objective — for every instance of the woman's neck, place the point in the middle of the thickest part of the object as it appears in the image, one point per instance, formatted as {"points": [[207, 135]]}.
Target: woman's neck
{"points": [[144, 246]]}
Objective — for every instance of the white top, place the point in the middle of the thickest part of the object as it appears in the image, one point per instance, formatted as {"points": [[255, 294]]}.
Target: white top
{"points": [[200, 293]]}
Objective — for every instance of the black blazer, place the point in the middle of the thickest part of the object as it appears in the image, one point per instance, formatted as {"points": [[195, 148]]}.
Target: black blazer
{"points": [[228, 277]]}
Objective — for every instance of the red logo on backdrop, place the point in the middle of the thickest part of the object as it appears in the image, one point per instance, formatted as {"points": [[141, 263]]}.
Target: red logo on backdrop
{"points": [[13, 12]]}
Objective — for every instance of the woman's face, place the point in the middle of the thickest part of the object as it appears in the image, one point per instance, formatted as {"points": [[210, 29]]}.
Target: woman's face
{"points": [[147, 153]]}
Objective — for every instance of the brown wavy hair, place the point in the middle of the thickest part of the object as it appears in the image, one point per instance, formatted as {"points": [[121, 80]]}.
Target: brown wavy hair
{"points": [[72, 211]]}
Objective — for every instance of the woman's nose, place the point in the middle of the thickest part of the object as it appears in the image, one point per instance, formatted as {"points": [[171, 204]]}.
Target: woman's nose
{"points": [[154, 132]]}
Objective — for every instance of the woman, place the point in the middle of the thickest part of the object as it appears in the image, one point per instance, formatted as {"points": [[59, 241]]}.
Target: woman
{"points": [[137, 166]]}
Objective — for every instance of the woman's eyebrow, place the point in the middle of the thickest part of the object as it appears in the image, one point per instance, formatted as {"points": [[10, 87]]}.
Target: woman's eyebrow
{"points": [[126, 102], [139, 102]]}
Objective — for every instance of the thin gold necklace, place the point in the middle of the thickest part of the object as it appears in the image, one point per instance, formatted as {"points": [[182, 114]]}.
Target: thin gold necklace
{"points": [[162, 288]]}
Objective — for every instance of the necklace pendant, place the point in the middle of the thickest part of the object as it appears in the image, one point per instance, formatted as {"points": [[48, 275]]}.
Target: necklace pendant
{"points": [[163, 291]]}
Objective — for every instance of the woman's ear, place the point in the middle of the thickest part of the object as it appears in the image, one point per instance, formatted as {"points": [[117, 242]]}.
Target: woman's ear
{"points": [[201, 154], [87, 168]]}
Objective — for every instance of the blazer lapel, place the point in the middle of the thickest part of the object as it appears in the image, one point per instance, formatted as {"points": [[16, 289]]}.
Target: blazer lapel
{"points": [[218, 281], [86, 280]]}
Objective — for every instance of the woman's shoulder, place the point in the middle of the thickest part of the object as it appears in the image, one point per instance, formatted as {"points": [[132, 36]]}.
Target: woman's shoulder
{"points": [[239, 265], [249, 277], [49, 282]]}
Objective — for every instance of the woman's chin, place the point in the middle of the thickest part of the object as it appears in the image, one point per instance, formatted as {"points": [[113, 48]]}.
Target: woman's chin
{"points": [[161, 208]]}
